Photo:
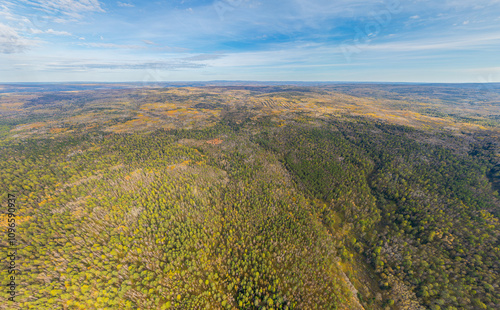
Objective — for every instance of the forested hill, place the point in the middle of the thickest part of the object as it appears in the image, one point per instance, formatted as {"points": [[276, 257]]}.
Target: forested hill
{"points": [[255, 197]]}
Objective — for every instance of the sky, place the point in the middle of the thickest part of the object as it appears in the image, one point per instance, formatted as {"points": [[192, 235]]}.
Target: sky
{"points": [[289, 40]]}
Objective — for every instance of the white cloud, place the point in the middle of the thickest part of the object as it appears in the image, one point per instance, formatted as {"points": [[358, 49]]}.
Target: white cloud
{"points": [[51, 64], [6, 13], [150, 45], [456, 43], [58, 33], [71, 8], [203, 57], [113, 45], [11, 42], [126, 5], [35, 31], [171, 49], [50, 31]]}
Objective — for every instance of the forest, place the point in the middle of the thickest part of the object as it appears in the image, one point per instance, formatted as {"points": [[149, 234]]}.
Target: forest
{"points": [[250, 197]]}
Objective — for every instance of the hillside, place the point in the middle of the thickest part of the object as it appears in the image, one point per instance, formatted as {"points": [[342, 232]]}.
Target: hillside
{"points": [[334, 196]]}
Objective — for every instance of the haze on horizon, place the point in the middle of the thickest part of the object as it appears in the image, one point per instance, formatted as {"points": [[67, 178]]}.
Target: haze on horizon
{"points": [[295, 40]]}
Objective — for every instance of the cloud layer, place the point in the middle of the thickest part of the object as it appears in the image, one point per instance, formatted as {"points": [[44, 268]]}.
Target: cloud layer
{"points": [[73, 8], [402, 40], [11, 42]]}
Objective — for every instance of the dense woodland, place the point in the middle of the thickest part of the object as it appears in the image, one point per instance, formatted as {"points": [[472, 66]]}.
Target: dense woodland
{"points": [[422, 213], [276, 211]]}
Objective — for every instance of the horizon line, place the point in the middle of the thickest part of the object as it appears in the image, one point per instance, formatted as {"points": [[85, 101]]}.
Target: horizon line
{"points": [[242, 81]]}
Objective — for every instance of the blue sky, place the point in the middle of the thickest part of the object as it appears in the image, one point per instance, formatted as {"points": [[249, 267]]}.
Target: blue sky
{"points": [[295, 40]]}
